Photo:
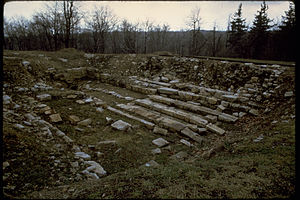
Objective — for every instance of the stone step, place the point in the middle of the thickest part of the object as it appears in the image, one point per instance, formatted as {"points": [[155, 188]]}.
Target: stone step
{"points": [[208, 97], [194, 108], [162, 121], [177, 113], [169, 122], [146, 123]]}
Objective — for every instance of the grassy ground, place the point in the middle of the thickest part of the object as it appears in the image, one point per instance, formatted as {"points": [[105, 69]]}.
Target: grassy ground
{"points": [[246, 170]]}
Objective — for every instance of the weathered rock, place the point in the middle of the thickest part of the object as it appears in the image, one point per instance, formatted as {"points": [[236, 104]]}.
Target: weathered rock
{"points": [[185, 142], [179, 156], [85, 122], [19, 126], [215, 129], [6, 99], [121, 125], [156, 151], [160, 131], [112, 142], [96, 168], [288, 94], [44, 97], [71, 96], [82, 155], [189, 133], [164, 90], [74, 119], [55, 118], [254, 112], [160, 142], [151, 163], [29, 117]]}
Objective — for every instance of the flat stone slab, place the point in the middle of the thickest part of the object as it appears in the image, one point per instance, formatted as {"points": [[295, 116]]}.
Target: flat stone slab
{"points": [[107, 142], [82, 155], [74, 119], [85, 122], [151, 163], [180, 155], [160, 142], [171, 124], [96, 168], [44, 97], [160, 131], [121, 125], [156, 151], [146, 123], [185, 142], [191, 134], [55, 118], [215, 129], [165, 90]]}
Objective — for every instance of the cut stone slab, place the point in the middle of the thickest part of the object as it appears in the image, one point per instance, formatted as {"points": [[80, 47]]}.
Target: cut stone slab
{"points": [[72, 96], [191, 134], [171, 124], [156, 151], [215, 129], [148, 124], [83, 155], [85, 122], [160, 131], [151, 163], [44, 97], [107, 142], [121, 125], [180, 155], [185, 142], [165, 90], [55, 118], [80, 102], [160, 142], [288, 94], [230, 98], [29, 117], [227, 118], [96, 168], [74, 119], [254, 112], [19, 126]]}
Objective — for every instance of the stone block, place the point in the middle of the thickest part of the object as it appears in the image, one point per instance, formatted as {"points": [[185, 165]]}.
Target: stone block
{"points": [[55, 118], [213, 128], [160, 142]]}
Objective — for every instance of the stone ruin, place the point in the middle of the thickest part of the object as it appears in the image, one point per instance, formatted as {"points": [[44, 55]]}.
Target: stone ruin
{"points": [[190, 97]]}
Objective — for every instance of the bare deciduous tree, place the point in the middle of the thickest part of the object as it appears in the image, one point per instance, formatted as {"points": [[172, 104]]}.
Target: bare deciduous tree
{"points": [[103, 20]]}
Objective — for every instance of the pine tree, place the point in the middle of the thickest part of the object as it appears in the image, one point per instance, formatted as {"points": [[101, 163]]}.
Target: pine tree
{"points": [[286, 37], [237, 32], [259, 32]]}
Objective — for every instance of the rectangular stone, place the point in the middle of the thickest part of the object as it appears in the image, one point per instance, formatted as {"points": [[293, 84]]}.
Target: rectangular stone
{"points": [[165, 90], [227, 118], [171, 124], [160, 142], [215, 129], [230, 98], [146, 123], [189, 133]]}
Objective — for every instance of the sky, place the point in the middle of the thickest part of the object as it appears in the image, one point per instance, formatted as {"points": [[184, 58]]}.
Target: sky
{"points": [[174, 13]]}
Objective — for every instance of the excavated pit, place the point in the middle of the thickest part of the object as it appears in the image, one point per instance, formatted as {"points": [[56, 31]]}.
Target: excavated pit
{"points": [[83, 116]]}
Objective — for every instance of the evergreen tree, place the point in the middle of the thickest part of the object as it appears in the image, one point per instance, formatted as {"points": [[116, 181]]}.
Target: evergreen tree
{"points": [[286, 36], [259, 34], [236, 33]]}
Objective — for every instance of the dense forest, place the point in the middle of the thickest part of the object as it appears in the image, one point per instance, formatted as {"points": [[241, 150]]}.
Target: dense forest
{"points": [[60, 26]]}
